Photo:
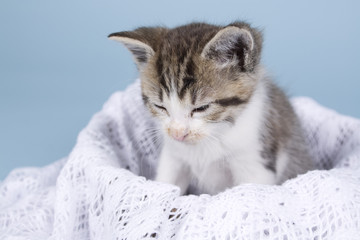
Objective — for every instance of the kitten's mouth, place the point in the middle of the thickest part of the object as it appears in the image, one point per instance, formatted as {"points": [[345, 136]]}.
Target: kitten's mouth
{"points": [[184, 136], [180, 138], [188, 139]]}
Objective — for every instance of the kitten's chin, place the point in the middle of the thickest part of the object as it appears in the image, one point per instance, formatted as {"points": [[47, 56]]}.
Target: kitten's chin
{"points": [[188, 140]]}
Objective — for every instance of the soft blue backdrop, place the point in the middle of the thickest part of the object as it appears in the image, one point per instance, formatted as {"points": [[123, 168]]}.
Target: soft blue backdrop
{"points": [[57, 67]]}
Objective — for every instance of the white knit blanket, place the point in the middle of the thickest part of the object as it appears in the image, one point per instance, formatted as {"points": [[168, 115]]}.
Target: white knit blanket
{"points": [[102, 190]]}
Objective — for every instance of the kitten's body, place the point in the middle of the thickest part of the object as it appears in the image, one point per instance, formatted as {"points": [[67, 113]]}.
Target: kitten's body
{"points": [[224, 121]]}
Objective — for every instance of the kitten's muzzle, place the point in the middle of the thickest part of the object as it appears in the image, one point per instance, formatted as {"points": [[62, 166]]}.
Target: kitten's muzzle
{"points": [[178, 131], [180, 137]]}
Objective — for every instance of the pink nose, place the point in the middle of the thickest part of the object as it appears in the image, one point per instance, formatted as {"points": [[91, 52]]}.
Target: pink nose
{"points": [[178, 134]]}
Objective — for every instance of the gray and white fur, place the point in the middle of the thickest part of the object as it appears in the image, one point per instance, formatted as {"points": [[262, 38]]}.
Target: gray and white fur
{"points": [[223, 120]]}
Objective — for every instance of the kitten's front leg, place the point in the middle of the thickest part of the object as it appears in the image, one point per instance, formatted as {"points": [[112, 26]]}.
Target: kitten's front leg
{"points": [[173, 170]]}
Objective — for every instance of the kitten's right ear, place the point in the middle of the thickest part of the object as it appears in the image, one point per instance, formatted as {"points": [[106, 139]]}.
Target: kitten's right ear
{"points": [[142, 43]]}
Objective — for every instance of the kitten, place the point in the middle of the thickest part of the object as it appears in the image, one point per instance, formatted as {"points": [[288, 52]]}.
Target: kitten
{"points": [[224, 121]]}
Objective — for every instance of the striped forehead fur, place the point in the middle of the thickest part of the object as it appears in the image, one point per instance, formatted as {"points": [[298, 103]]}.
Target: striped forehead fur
{"points": [[177, 66], [178, 60]]}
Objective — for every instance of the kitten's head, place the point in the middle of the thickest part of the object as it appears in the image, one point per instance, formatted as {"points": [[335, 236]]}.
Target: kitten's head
{"points": [[197, 78]]}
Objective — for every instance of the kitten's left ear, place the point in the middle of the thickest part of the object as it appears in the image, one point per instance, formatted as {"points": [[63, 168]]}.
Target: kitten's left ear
{"points": [[235, 44], [142, 42]]}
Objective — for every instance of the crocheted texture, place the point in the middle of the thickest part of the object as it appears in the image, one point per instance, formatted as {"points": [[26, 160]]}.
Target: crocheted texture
{"points": [[101, 190]]}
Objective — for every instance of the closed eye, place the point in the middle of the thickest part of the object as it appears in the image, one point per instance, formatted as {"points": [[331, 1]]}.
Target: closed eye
{"points": [[161, 108], [200, 109]]}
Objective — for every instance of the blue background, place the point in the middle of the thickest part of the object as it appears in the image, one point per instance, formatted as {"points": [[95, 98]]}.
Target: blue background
{"points": [[57, 67]]}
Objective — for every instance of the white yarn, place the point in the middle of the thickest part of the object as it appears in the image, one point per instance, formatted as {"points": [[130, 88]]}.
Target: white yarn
{"points": [[91, 195]]}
